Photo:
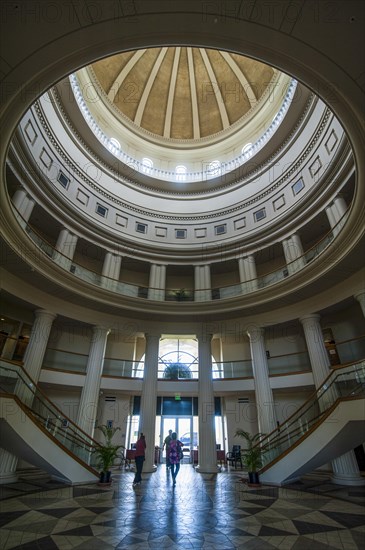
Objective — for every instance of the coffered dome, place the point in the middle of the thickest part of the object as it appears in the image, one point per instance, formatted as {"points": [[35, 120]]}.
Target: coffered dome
{"points": [[183, 93], [181, 113]]}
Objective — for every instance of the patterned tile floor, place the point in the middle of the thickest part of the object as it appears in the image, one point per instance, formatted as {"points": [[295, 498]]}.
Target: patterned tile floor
{"points": [[202, 511]]}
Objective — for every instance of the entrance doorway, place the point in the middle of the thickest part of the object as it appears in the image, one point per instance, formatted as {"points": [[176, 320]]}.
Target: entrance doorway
{"points": [[184, 427]]}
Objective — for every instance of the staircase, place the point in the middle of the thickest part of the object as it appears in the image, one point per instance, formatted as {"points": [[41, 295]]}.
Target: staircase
{"points": [[34, 429], [329, 424]]}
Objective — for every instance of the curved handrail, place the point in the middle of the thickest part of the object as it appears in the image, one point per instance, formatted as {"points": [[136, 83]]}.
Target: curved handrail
{"points": [[343, 381], [61, 427]]}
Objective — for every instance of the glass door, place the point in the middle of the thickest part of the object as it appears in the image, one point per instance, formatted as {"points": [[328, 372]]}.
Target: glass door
{"points": [[167, 424], [182, 425]]}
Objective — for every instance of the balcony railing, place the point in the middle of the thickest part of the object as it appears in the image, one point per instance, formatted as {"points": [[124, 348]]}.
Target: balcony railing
{"points": [[182, 295]]}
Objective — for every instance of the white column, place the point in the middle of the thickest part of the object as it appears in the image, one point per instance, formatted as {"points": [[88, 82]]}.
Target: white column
{"points": [[157, 282], [360, 297], [65, 248], [90, 392], [263, 393], [147, 420], [202, 283], [293, 252], [33, 360], [317, 352], [24, 205], [336, 213], [345, 468], [207, 452], [34, 354], [111, 271], [248, 274]]}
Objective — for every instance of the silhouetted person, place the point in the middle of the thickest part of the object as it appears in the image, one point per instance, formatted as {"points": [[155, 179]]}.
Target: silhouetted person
{"points": [[139, 458]]}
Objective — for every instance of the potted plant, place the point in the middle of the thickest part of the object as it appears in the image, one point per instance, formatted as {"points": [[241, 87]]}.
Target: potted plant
{"points": [[180, 294], [107, 453], [252, 455]]}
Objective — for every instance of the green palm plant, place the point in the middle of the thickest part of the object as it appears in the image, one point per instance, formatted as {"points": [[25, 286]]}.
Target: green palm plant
{"points": [[108, 432], [107, 453], [253, 454]]}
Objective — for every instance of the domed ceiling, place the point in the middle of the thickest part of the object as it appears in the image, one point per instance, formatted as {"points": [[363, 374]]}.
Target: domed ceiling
{"points": [[183, 93], [181, 114]]}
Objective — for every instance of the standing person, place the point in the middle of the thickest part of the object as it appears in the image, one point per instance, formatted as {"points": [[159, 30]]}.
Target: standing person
{"points": [[166, 444], [175, 450], [139, 458]]}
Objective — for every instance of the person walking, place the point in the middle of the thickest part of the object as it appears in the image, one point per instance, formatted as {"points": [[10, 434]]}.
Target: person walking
{"points": [[166, 444], [175, 455], [139, 458]]}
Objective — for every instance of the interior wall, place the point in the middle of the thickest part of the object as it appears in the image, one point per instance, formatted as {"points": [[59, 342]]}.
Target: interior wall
{"points": [[70, 336], [116, 411]]}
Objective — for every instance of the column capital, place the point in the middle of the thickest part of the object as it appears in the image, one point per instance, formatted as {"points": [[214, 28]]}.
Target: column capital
{"points": [[43, 313], [101, 329], [255, 333], [310, 317], [359, 296]]}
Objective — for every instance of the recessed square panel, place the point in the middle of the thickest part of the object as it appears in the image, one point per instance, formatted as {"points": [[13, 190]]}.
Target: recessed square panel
{"points": [[240, 223], [200, 233], [161, 232], [121, 220], [30, 133], [331, 142], [315, 166], [45, 159], [279, 202], [82, 197]]}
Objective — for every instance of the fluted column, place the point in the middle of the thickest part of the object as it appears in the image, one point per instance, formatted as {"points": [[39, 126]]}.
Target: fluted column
{"points": [[90, 392], [157, 282], [147, 420], [33, 360], [263, 393], [248, 274], [24, 205], [336, 213], [34, 354], [207, 453], [345, 468], [111, 270], [293, 252], [360, 297], [65, 248], [202, 283]]}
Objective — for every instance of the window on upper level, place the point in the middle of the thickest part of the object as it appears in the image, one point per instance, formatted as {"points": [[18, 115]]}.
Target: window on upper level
{"points": [[180, 172]]}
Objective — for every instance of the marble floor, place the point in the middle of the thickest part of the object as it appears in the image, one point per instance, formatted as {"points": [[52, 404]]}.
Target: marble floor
{"points": [[202, 511]]}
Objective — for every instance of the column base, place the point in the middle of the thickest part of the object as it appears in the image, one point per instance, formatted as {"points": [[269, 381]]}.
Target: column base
{"points": [[6, 478], [209, 469], [355, 480], [149, 469]]}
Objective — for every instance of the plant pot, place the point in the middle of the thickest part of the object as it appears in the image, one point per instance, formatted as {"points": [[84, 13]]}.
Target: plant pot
{"points": [[253, 478], [105, 477]]}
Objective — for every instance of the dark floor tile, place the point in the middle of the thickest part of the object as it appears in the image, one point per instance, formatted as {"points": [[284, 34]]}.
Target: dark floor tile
{"points": [[347, 520], [305, 528]]}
